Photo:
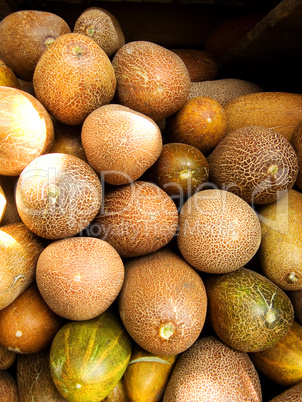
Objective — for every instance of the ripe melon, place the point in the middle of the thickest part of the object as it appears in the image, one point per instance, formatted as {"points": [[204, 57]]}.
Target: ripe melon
{"points": [[88, 358], [61, 82]]}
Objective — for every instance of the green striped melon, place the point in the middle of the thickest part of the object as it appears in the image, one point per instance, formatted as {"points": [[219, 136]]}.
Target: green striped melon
{"points": [[88, 358]]}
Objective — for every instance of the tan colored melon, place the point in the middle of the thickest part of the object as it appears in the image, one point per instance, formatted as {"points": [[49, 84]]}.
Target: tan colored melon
{"points": [[150, 79], [120, 143], [223, 90], [163, 302], [212, 371], [62, 84], [281, 111], [103, 27], [26, 130], [255, 162], [201, 65], [218, 231], [25, 35], [8, 387], [28, 325], [136, 219], [79, 277], [19, 250], [58, 195], [292, 394], [296, 142]]}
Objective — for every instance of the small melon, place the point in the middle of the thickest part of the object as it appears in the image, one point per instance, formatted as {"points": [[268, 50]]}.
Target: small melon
{"points": [[103, 27], [8, 77], [212, 371], [291, 394], [247, 311], [281, 111], [150, 79], [256, 163], [163, 302], [58, 195], [79, 277], [120, 143], [136, 219], [218, 231], [8, 387], [62, 84]]}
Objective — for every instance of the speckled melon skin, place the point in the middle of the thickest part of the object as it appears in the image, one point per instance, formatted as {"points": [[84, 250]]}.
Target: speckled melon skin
{"points": [[210, 371], [150, 79], [163, 302], [218, 231], [79, 277], [120, 143], [73, 77], [136, 219], [58, 195], [8, 387], [256, 163], [296, 142]]}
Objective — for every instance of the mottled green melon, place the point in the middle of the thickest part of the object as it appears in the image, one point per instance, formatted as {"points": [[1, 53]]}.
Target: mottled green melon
{"points": [[88, 358]]}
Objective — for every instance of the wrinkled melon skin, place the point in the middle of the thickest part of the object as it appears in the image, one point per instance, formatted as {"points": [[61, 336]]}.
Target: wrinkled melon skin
{"points": [[88, 358]]}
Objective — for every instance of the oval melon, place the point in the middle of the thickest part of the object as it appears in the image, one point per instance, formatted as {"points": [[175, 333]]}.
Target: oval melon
{"points": [[212, 371], [88, 358], [248, 311]]}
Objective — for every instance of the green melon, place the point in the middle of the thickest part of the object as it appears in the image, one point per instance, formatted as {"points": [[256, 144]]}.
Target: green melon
{"points": [[88, 358]]}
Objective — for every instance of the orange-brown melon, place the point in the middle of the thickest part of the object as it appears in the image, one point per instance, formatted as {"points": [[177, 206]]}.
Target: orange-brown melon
{"points": [[8, 387], [26, 130], [296, 142], [223, 90], [28, 325], [201, 65], [218, 231], [34, 378], [120, 143], [61, 81], [25, 35], [200, 122], [136, 219], [281, 111], [19, 250], [255, 162], [58, 195], [150, 79], [79, 277], [212, 371], [103, 27], [163, 302]]}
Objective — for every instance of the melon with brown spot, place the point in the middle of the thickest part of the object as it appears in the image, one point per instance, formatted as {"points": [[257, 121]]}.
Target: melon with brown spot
{"points": [[150, 79], [281, 111], [79, 277], [163, 302], [120, 143], [61, 81], [103, 27], [58, 195], [256, 163], [218, 231], [212, 371], [136, 219]]}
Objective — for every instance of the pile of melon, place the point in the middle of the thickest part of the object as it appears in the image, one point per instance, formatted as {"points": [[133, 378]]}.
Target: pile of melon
{"points": [[151, 221]]}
